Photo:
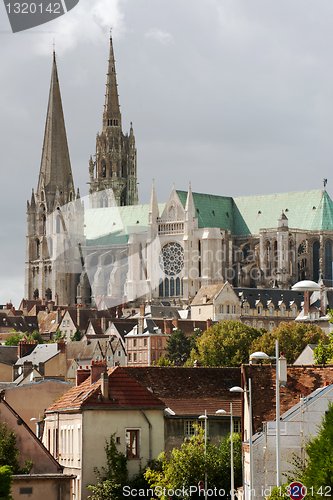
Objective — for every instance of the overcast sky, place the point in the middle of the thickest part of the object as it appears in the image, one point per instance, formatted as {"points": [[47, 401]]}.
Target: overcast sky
{"points": [[232, 95]]}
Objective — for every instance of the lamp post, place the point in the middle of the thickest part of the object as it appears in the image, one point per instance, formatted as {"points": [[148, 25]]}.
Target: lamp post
{"points": [[201, 417], [232, 481], [262, 355], [239, 389]]}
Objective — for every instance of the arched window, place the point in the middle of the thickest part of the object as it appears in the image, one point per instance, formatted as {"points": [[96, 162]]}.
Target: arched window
{"points": [[43, 224], [48, 294], [36, 294], [160, 288], [166, 287], [316, 247], [172, 287], [37, 249], [328, 260], [177, 287]]}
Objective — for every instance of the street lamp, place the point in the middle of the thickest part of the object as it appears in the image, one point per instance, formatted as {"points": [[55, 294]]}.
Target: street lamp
{"points": [[231, 451], [262, 355], [239, 389], [201, 417]]}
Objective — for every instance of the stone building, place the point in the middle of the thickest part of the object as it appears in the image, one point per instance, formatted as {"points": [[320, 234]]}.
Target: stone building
{"points": [[159, 252]]}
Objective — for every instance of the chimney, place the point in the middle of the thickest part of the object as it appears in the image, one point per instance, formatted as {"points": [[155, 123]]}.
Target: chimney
{"points": [[78, 316], [283, 370], [105, 385], [142, 310], [167, 327], [23, 347], [51, 305], [204, 299], [9, 306], [44, 302], [103, 325], [82, 374], [118, 312], [58, 316], [97, 367], [62, 346], [306, 302], [209, 323], [141, 319], [175, 322]]}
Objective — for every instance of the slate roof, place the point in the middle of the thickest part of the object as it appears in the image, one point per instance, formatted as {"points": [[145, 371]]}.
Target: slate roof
{"points": [[84, 349], [124, 393], [270, 296], [301, 381], [18, 323], [40, 354], [8, 354]]}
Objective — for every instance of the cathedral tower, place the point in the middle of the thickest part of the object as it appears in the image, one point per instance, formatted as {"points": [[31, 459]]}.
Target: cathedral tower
{"points": [[113, 173], [54, 214]]}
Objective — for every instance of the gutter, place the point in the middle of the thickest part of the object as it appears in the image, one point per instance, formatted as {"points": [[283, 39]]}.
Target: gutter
{"points": [[150, 428]]}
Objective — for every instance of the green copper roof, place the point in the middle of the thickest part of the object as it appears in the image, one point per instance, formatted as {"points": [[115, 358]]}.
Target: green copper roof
{"points": [[211, 210], [309, 210], [113, 225]]}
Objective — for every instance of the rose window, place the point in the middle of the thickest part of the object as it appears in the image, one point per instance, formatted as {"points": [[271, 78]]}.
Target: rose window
{"points": [[171, 259]]}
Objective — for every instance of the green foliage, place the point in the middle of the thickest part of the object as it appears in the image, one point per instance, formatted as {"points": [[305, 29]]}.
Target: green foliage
{"points": [[293, 338], [77, 336], [163, 361], [281, 492], [9, 452], [226, 344], [113, 477], [178, 347], [14, 339], [59, 335], [323, 354], [36, 337], [6, 481], [186, 466], [319, 468]]}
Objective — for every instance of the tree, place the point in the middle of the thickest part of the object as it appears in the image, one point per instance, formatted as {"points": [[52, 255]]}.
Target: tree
{"points": [[77, 336], [293, 338], [226, 344], [113, 477], [9, 452], [59, 335], [178, 347], [35, 336], [13, 339], [318, 473], [163, 361], [6, 481], [186, 466]]}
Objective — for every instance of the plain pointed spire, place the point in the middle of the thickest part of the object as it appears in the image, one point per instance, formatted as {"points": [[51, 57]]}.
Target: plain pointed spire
{"points": [[111, 115], [189, 207], [55, 170], [153, 205]]}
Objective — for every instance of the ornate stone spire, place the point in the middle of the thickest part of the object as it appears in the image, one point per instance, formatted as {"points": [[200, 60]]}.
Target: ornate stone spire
{"points": [[111, 115], [153, 206], [55, 170], [189, 207]]}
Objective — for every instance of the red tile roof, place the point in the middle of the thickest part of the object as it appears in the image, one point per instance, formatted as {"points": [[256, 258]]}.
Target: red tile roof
{"points": [[124, 392], [301, 381]]}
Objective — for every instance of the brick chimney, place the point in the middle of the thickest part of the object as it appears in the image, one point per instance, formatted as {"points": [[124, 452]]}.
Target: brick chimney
{"points": [[82, 374], [306, 302], [167, 326], [62, 346], [209, 323], [175, 322], [23, 347], [9, 306], [97, 368]]}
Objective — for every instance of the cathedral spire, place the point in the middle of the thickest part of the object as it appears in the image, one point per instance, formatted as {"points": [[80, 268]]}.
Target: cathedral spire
{"points": [[153, 206], [55, 170], [189, 207], [111, 115]]}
